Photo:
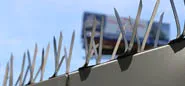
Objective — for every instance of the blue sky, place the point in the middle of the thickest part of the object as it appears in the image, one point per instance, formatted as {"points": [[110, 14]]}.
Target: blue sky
{"points": [[26, 22]]}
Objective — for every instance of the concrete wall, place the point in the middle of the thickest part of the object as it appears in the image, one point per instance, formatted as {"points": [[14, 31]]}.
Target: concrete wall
{"points": [[163, 66]]}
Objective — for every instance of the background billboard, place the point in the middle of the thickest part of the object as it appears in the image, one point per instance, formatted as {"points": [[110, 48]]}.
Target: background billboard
{"points": [[111, 30]]}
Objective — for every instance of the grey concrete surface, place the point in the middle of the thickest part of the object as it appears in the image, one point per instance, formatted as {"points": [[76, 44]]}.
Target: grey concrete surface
{"points": [[163, 66]]}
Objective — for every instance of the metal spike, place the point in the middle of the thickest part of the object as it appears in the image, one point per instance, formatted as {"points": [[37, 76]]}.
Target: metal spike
{"points": [[42, 67], [134, 32], [122, 30], [25, 76], [158, 30], [138, 43], [45, 60], [58, 54], [60, 63], [85, 39], [30, 66], [65, 54], [70, 53], [91, 43], [137, 38], [58, 68], [55, 52], [22, 71], [37, 73], [150, 25], [42, 63], [176, 18], [34, 57], [116, 47], [59, 48], [11, 71], [100, 42], [6, 75], [33, 62]]}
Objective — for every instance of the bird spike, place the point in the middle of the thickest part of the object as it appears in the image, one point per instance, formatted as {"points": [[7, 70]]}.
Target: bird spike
{"points": [[59, 48], [100, 42], [85, 39], [37, 73], [30, 66], [55, 52], [11, 71], [65, 54], [6, 75], [22, 71], [134, 32], [60, 63], [158, 31], [58, 54], [121, 29], [150, 25], [58, 67], [42, 62], [33, 62], [25, 75], [45, 60], [91, 43], [137, 38], [70, 53], [176, 18], [116, 47]]}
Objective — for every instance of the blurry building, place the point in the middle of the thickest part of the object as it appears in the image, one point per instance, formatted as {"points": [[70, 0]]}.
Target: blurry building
{"points": [[111, 31]]}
